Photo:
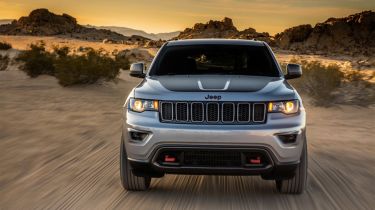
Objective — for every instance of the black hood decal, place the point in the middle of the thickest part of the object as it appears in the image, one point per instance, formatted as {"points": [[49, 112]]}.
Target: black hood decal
{"points": [[212, 83]]}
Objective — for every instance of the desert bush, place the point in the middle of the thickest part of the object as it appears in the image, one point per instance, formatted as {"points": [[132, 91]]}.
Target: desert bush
{"points": [[4, 61], [357, 89], [122, 61], [5, 46], [37, 60], [85, 69], [61, 52], [329, 84], [71, 69], [318, 81]]}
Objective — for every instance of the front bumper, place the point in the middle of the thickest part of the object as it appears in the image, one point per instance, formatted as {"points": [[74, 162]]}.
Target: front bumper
{"points": [[224, 136], [269, 169]]}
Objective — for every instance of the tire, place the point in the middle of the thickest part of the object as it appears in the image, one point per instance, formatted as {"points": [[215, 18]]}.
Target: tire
{"points": [[297, 184], [128, 180]]}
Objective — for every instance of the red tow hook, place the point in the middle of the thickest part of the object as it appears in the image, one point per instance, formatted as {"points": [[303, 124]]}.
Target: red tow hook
{"points": [[255, 161], [169, 158]]}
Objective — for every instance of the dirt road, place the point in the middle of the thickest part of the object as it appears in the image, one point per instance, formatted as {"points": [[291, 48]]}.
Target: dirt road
{"points": [[59, 150]]}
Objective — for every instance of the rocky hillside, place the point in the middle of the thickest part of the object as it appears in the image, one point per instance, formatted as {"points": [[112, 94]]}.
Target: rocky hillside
{"points": [[222, 29], [350, 35], [42, 22]]}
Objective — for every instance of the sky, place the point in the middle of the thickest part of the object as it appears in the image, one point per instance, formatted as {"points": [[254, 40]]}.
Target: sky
{"points": [[157, 16]]}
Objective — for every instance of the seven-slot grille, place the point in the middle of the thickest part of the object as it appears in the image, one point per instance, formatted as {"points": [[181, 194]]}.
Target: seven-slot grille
{"points": [[213, 112]]}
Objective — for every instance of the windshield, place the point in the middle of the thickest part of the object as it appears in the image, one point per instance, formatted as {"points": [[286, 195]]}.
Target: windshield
{"points": [[216, 59]]}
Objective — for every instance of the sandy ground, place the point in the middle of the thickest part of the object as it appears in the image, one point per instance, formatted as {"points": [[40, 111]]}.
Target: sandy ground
{"points": [[59, 149], [23, 43]]}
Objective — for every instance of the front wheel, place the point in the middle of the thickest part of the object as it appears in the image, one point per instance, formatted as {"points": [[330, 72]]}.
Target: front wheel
{"points": [[128, 179], [297, 184]]}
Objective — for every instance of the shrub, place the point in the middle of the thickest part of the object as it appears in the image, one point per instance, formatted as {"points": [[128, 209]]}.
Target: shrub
{"points": [[329, 84], [85, 69], [37, 60], [122, 61], [4, 61], [61, 52], [5, 46], [319, 81], [357, 89]]}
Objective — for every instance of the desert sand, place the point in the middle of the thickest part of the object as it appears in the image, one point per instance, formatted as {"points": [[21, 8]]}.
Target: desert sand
{"points": [[23, 43], [59, 149]]}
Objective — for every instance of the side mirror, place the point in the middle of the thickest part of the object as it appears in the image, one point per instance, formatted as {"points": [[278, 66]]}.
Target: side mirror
{"points": [[137, 70], [293, 71]]}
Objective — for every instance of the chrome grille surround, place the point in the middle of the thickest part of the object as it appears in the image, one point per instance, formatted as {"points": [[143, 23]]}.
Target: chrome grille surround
{"points": [[224, 113], [249, 111], [164, 111], [193, 108], [254, 112], [182, 111], [210, 112]]}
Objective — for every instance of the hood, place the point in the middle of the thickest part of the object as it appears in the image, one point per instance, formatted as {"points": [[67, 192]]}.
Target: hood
{"points": [[214, 83], [230, 88]]}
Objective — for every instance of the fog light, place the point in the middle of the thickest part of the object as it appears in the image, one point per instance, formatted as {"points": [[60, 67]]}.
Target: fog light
{"points": [[288, 138], [138, 135]]}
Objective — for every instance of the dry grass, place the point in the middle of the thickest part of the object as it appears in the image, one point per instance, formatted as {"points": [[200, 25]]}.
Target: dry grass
{"points": [[4, 61], [5, 46], [70, 68], [330, 84], [23, 42], [85, 69], [37, 61]]}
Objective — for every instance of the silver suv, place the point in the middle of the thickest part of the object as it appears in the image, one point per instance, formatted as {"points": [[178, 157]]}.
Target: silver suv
{"points": [[214, 106]]}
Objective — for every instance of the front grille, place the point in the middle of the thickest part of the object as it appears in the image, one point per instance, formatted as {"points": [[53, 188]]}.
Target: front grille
{"points": [[182, 113], [213, 112], [228, 112], [197, 112], [259, 112], [166, 111], [212, 158], [243, 112]]}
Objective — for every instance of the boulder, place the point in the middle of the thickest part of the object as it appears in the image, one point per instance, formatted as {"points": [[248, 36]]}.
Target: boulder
{"points": [[211, 29], [42, 22], [350, 35], [295, 34], [222, 29]]}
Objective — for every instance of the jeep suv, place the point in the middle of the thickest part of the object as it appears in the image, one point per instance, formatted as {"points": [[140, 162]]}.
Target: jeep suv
{"points": [[214, 106]]}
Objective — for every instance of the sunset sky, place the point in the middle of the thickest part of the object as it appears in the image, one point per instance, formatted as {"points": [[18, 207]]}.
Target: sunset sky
{"points": [[170, 15]]}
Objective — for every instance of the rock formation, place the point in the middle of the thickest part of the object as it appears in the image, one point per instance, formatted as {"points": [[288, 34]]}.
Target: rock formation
{"points": [[212, 29], [42, 22], [350, 35], [222, 29]]}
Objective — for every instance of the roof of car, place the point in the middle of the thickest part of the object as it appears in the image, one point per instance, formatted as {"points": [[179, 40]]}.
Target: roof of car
{"points": [[215, 41]]}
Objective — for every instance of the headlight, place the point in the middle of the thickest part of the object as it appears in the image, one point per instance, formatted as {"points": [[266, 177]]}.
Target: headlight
{"points": [[140, 105], [286, 107]]}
